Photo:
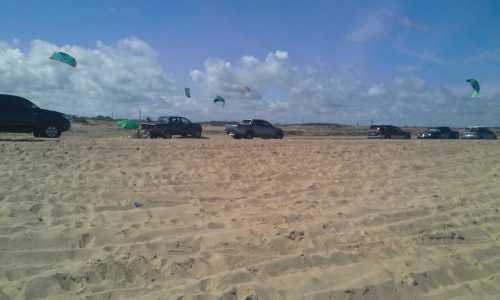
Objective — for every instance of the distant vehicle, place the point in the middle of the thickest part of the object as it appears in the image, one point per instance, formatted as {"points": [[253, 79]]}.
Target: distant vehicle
{"points": [[387, 132], [166, 127], [18, 114], [249, 129], [478, 133], [438, 133]]}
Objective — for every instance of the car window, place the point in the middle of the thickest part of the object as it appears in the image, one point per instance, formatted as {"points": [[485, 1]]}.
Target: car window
{"points": [[185, 121], [163, 119], [16, 105]]}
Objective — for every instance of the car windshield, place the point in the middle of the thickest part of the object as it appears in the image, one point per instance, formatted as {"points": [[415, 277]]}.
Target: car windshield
{"points": [[432, 130], [246, 122]]}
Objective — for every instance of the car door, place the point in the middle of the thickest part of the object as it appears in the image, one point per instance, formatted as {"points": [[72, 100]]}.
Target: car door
{"points": [[259, 129], [395, 132], [4, 122], [262, 129], [174, 125], [269, 130], [185, 126]]}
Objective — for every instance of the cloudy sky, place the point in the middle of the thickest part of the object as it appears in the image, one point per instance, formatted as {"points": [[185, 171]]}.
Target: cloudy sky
{"points": [[401, 62]]}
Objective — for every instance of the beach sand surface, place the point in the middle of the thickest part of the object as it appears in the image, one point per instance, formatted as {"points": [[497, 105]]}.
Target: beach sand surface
{"points": [[108, 217]]}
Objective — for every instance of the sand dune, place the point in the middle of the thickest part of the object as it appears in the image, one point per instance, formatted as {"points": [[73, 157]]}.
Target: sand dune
{"points": [[259, 219]]}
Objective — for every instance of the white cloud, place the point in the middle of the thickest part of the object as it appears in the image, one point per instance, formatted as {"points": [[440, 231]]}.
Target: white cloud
{"points": [[378, 24], [290, 93], [373, 27], [119, 79], [126, 76], [281, 54], [486, 55], [376, 90], [407, 23]]}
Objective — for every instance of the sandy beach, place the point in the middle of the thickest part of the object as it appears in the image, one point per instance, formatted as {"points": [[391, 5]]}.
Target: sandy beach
{"points": [[108, 217]]}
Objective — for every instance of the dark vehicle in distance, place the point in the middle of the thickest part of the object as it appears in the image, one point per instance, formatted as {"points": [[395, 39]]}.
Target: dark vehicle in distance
{"points": [[18, 114], [387, 132], [478, 133], [249, 129], [438, 133], [166, 127]]}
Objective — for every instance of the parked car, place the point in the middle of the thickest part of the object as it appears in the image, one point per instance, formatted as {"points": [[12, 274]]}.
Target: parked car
{"points": [[387, 132], [253, 128], [438, 133], [18, 114], [478, 133], [166, 127]]}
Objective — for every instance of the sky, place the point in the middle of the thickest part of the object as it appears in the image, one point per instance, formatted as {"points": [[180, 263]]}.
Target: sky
{"points": [[350, 62]]}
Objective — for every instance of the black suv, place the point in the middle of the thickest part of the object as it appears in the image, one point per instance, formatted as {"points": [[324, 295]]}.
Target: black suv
{"points": [[387, 132], [438, 133], [478, 133], [18, 114]]}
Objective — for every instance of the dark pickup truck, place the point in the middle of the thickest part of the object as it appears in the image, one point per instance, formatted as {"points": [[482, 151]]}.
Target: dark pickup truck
{"points": [[387, 132], [438, 133], [166, 127], [18, 114], [249, 129]]}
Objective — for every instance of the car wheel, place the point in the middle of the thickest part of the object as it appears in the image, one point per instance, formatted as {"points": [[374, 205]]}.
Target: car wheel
{"points": [[249, 135], [279, 136], [197, 134], [52, 132], [37, 134], [387, 137]]}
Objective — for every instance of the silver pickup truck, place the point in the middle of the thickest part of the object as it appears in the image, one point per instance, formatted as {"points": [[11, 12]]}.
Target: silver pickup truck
{"points": [[249, 129]]}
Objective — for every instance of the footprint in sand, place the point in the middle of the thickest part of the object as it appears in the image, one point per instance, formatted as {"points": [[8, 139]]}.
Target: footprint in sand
{"points": [[84, 240]]}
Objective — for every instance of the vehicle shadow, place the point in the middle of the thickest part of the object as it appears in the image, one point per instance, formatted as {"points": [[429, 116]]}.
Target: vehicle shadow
{"points": [[25, 140], [193, 138]]}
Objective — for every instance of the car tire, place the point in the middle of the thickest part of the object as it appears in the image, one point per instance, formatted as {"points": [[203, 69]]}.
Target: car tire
{"points": [[37, 134], [51, 132], [249, 135], [197, 134], [279, 136], [387, 137]]}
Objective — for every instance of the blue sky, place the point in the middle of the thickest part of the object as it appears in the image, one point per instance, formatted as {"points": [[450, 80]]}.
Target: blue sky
{"points": [[373, 43]]}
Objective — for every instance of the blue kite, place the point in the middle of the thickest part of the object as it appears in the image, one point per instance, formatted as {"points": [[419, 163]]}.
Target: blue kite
{"points": [[64, 58]]}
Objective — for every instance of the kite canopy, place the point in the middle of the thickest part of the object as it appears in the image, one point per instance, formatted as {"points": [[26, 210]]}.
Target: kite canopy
{"points": [[475, 87], [128, 124], [64, 58], [220, 100], [187, 91]]}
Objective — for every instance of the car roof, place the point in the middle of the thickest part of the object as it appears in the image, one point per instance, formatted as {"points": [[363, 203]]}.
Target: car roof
{"points": [[12, 97]]}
